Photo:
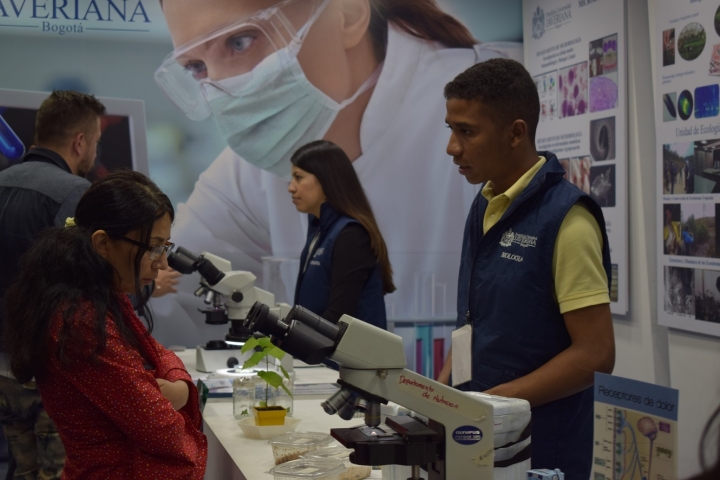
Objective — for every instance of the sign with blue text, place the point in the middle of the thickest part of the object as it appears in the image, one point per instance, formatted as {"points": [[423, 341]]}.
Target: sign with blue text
{"points": [[635, 430], [140, 19]]}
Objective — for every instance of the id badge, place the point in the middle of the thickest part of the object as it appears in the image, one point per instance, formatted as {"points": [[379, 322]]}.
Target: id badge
{"points": [[461, 355]]}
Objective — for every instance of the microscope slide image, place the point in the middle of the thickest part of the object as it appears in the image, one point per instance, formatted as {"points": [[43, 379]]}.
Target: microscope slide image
{"points": [[707, 101], [691, 41], [669, 112], [707, 295], [685, 104], [668, 46], [604, 76], [602, 139], [679, 284], [573, 90], [602, 185]]}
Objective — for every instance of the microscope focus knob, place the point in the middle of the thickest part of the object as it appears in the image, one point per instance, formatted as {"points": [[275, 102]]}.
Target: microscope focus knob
{"points": [[237, 296]]}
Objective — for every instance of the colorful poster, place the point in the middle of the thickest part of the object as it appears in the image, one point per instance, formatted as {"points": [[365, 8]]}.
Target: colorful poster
{"points": [[635, 430], [576, 52], [687, 104]]}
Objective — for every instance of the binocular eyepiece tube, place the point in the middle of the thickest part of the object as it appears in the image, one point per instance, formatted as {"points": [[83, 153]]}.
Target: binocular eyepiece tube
{"points": [[302, 334]]}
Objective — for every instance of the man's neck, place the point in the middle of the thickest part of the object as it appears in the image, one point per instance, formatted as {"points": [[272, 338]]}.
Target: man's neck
{"points": [[66, 155], [522, 165]]}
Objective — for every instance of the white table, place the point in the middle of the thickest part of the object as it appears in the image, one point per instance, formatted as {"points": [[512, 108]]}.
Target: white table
{"points": [[231, 455]]}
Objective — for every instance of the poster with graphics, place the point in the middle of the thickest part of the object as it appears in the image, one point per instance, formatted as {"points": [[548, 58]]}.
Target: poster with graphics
{"points": [[687, 104], [635, 430], [231, 88], [576, 52]]}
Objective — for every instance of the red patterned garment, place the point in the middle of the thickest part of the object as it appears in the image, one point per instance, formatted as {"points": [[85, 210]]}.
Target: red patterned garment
{"points": [[112, 418]]}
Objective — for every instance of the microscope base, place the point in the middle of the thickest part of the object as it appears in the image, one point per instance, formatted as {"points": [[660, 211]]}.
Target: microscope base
{"points": [[212, 360]]}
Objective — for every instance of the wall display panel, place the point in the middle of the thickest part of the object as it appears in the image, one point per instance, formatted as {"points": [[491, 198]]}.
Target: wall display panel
{"points": [[576, 52], [687, 105], [123, 143]]}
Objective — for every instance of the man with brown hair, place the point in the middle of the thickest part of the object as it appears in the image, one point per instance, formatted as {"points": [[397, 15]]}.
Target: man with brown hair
{"points": [[39, 193]]}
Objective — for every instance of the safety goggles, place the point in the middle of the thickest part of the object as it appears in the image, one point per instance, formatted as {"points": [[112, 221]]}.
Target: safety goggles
{"points": [[193, 73]]}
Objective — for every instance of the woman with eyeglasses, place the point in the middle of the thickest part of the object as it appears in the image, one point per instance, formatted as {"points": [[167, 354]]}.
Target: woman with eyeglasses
{"points": [[124, 406]]}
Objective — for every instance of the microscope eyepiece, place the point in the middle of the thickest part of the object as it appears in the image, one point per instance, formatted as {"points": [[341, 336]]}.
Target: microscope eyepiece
{"points": [[314, 321], [184, 261], [261, 319], [302, 334]]}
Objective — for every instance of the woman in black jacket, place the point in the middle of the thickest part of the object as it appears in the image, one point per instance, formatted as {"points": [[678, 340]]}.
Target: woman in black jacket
{"points": [[344, 267]]}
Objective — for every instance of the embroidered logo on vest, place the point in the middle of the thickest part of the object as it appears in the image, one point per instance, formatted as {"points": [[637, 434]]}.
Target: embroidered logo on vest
{"points": [[318, 252], [507, 238], [510, 237]]}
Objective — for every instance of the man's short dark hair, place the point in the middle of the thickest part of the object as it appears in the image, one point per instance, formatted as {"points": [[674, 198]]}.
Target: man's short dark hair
{"points": [[504, 87], [63, 115]]}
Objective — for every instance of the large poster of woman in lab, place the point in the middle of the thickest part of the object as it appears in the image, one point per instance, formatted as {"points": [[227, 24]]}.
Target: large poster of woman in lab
{"points": [[367, 75]]}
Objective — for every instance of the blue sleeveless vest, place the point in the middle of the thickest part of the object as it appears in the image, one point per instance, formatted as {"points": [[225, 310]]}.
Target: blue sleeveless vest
{"points": [[506, 290], [313, 285]]}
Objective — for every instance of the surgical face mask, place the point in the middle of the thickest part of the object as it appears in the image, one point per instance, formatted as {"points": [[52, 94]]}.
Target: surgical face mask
{"points": [[270, 116], [247, 76]]}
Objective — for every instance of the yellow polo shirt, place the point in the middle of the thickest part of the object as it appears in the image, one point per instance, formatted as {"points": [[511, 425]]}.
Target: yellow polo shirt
{"points": [[580, 279]]}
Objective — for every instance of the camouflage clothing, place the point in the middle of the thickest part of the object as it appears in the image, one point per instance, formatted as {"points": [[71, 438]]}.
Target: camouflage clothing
{"points": [[31, 434]]}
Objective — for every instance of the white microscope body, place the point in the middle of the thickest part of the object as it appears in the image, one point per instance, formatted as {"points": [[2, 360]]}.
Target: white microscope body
{"points": [[457, 441], [229, 294]]}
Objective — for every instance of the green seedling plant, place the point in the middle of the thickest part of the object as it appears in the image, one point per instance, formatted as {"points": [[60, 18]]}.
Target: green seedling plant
{"points": [[264, 349]]}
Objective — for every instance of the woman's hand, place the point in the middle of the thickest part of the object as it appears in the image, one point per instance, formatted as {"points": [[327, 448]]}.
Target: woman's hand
{"points": [[165, 282], [177, 392]]}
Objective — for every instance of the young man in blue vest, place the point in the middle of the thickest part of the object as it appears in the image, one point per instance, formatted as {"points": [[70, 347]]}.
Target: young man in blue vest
{"points": [[534, 319]]}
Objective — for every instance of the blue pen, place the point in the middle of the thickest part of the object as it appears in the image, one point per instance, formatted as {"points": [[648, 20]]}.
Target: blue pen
{"points": [[10, 144]]}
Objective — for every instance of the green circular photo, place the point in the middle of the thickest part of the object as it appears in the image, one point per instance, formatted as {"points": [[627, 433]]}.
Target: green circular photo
{"points": [[717, 21], [691, 41]]}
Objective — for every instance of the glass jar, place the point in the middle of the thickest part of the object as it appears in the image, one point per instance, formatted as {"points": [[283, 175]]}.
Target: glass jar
{"points": [[244, 395], [279, 398]]}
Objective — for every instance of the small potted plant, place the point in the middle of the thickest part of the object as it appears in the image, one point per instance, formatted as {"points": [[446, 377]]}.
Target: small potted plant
{"points": [[264, 349]]}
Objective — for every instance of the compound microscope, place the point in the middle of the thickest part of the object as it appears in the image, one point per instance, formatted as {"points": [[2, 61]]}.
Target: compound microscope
{"points": [[229, 295], [452, 439]]}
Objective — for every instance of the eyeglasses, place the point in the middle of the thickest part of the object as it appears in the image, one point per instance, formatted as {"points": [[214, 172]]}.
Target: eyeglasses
{"points": [[155, 252]]}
